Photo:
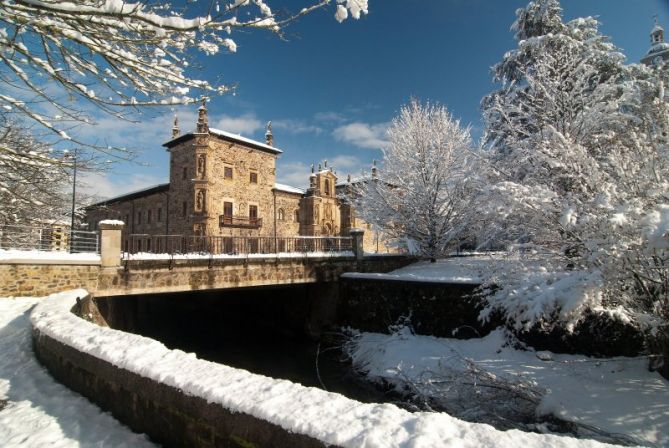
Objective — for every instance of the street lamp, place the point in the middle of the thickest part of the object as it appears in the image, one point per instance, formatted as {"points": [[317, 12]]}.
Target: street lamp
{"points": [[74, 192]]}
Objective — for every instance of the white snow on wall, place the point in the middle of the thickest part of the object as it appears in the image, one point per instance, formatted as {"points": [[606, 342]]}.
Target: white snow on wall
{"points": [[40, 411], [329, 417]]}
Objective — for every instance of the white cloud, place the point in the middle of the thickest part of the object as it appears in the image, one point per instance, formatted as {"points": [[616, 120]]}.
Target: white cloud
{"points": [[363, 135], [104, 186], [245, 124], [330, 117], [293, 126], [295, 174], [144, 132], [345, 162]]}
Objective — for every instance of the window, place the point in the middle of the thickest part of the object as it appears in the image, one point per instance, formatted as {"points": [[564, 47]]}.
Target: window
{"points": [[148, 217], [160, 214], [184, 209], [327, 186], [185, 173], [227, 172], [253, 178], [227, 213], [253, 213], [281, 215]]}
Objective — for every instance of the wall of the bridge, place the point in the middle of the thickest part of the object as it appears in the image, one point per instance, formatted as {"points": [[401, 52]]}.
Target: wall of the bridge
{"points": [[35, 278], [161, 276]]}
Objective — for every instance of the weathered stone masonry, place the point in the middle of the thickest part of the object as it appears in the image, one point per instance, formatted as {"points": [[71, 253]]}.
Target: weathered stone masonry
{"points": [[165, 413]]}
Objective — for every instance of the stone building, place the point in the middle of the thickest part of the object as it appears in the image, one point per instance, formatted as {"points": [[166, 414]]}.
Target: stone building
{"points": [[223, 184]]}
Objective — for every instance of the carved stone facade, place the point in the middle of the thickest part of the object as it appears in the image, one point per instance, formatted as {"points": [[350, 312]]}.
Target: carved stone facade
{"points": [[222, 184]]}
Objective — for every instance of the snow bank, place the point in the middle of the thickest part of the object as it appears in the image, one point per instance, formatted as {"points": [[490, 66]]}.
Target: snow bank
{"points": [[40, 411], [331, 418], [618, 395], [465, 270]]}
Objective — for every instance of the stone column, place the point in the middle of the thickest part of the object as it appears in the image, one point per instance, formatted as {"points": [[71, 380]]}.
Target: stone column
{"points": [[110, 243], [357, 243]]}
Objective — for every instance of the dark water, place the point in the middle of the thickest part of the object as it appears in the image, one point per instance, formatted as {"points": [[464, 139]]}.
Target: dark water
{"points": [[264, 331], [310, 363]]}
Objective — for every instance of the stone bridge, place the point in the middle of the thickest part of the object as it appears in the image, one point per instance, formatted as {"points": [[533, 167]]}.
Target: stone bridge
{"points": [[112, 276]]}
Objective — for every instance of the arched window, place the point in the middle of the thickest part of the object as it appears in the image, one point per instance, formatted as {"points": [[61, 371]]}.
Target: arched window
{"points": [[281, 214], [327, 187]]}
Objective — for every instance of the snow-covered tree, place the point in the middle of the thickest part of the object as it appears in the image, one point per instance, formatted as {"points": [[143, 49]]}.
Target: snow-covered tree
{"points": [[423, 189], [119, 55], [578, 155], [33, 180]]}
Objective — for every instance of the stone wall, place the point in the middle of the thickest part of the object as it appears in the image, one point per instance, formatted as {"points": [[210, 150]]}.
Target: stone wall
{"points": [[165, 413], [181, 192], [157, 276], [41, 280], [437, 309], [147, 214], [240, 190], [289, 203]]}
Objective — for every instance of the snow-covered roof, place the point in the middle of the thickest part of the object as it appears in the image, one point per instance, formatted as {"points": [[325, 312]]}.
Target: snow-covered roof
{"points": [[353, 181], [227, 136], [134, 194], [288, 188], [658, 47], [238, 137]]}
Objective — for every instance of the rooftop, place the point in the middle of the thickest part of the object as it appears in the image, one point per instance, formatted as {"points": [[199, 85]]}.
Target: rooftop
{"points": [[160, 188], [229, 136], [288, 188]]}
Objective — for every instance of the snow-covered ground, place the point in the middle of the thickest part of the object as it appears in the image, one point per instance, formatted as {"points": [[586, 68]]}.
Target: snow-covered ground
{"points": [[448, 270], [40, 256], [35, 410], [329, 417], [618, 395]]}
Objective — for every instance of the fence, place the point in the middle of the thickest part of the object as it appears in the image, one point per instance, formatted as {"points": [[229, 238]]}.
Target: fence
{"points": [[48, 239], [232, 245]]}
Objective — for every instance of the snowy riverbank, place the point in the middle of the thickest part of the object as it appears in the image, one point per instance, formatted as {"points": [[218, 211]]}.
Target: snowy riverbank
{"points": [[617, 395], [329, 417]]}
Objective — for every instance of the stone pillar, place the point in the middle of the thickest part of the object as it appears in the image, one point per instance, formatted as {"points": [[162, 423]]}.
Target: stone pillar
{"points": [[357, 243], [110, 243]]}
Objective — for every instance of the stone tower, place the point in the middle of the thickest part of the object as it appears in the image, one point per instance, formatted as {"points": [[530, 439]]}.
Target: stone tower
{"points": [[319, 208], [659, 49]]}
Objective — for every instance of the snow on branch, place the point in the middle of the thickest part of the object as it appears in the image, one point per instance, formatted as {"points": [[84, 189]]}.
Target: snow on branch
{"points": [[116, 54]]}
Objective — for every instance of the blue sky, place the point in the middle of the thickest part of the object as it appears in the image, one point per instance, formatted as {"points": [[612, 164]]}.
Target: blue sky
{"points": [[331, 88]]}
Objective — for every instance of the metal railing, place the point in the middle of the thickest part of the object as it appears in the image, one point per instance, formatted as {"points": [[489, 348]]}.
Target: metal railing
{"points": [[233, 245], [48, 239], [239, 221]]}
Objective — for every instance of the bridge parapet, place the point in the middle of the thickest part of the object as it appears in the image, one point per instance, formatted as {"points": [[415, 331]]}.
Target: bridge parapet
{"points": [[180, 275], [111, 276]]}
